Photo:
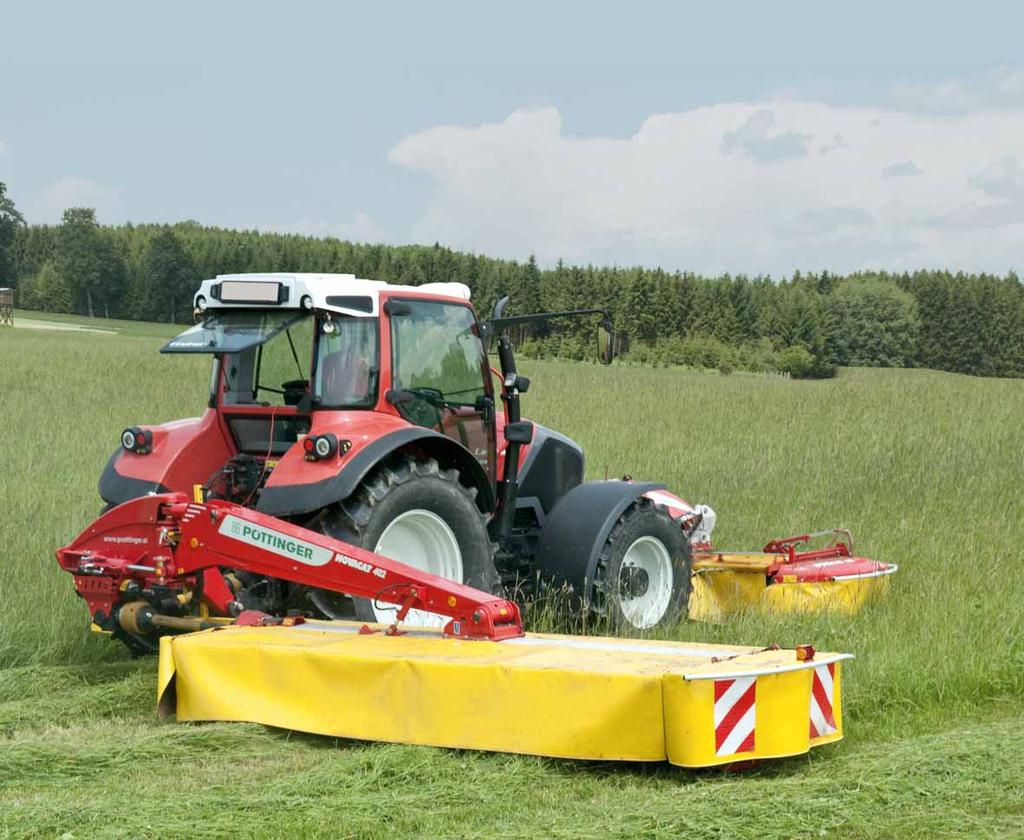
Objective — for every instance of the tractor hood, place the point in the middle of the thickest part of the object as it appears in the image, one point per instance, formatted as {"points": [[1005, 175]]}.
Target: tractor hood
{"points": [[233, 331]]}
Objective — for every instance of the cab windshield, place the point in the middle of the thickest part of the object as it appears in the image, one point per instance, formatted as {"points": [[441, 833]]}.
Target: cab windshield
{"points": [[273, 357], [274, 371], [232, 332]]}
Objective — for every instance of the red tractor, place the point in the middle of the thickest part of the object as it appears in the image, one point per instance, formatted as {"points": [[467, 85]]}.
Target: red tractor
{"points": [[370, 413]]}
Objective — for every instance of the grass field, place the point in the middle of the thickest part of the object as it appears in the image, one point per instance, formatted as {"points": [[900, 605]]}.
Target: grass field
{"points": [[925, 468]]}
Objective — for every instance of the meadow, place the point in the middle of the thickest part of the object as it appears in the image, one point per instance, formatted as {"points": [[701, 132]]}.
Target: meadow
{"points": [[924, 467]]}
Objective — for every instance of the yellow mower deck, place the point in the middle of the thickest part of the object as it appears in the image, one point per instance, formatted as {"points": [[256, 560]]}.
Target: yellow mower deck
{"points": [[727, 583], [694, 705]]}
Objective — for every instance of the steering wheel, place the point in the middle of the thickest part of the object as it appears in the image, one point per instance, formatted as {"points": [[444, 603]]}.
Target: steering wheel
{"points": [[294, 390]]}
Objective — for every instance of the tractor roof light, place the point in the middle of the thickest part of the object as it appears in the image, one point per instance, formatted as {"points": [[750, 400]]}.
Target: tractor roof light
{"points": [[307, 302]]}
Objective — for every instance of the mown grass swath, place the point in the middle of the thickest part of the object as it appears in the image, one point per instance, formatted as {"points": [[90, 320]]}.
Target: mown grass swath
{"points": [[924, 467]]}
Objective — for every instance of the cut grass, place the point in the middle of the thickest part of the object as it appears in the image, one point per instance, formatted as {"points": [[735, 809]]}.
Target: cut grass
{"points": [[924, 467], [129, 775]]}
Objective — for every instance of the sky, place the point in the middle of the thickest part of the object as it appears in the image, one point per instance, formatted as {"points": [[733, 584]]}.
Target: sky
{"points": [[742, 137]]}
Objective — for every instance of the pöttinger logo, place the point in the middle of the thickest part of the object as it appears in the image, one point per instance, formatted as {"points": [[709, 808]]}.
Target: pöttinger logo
{"points": [[276, 542]]}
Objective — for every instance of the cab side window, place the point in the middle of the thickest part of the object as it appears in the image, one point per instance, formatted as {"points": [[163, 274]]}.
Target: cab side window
{"points": [[439, 371], [438, 357], [348, 365]]}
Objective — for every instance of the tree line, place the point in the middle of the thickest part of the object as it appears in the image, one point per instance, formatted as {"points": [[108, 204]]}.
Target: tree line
{"points": [[804, 325]]}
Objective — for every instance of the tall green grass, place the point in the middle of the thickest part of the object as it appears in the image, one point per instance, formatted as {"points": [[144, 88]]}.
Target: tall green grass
{"points": [[99, 765], [925, 468]]}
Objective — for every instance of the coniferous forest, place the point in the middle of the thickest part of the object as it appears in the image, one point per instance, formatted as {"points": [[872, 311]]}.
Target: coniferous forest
{"points": [[805, 325]]}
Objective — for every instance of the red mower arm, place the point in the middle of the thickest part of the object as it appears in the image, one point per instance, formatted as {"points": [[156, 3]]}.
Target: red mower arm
{"points": [[166, 538]]}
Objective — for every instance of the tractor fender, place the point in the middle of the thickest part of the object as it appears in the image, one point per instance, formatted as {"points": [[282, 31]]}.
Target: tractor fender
{"points": [[116, 488], [183, 453], [577, 528], [299, 499]]}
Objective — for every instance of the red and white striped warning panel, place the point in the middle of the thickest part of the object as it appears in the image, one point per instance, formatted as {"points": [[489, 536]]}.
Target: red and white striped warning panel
{"points": [[735, 713], [823, 718]]}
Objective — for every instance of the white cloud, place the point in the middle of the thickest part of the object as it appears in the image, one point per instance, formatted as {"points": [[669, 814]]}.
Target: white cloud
{"points": [[72, 191], [753, 138], [1003, 178], [754, 187], [361, 228], [835, 144], [1002, 182], [997, 88], [1009, 81], [902, 170]]}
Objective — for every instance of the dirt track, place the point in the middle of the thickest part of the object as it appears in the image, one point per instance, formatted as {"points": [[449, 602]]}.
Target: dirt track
{"points": [[56, 325]]}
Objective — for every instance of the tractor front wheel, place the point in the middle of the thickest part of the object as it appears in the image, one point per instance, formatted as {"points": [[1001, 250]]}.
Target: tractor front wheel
{"points": [[643, 573], [413, 511]]}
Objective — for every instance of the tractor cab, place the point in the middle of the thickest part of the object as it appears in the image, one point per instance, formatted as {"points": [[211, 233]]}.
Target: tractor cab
{"points": [[290, 348]]}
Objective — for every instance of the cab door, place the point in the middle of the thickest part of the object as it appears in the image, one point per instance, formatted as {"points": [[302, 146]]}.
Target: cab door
{"points": [[439, 372]]}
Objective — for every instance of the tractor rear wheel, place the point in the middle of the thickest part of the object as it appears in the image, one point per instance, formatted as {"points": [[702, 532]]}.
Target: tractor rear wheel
{"points": [[413, 511], [643, 572]]}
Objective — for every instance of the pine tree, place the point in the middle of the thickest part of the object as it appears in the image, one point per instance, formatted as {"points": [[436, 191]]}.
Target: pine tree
{"points": [[11, 221], [79, 252], [168, 276]]}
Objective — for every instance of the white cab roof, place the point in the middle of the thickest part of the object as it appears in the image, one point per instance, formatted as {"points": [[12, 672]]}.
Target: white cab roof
{"points": [[287, 291]]}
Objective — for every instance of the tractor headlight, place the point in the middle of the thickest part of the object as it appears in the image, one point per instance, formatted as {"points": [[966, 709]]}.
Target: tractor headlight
{"points": [[200, 303], [307, 302], [326, 445], [136, 440], [322, 447]]}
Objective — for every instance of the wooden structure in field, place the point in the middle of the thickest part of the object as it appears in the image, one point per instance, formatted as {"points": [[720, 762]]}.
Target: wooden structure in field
{"points": [[7, 307]]}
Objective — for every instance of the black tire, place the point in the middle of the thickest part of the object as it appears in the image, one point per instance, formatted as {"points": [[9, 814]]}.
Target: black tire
{"points": [[614, 590], [401, 484]]}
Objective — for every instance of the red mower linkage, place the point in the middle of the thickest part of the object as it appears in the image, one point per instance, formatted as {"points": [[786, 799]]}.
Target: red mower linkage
{"points": [[835, 562], [146, 563]]}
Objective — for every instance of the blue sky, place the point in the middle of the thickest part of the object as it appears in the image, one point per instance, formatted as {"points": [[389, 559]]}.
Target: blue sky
{"points": [[742, 137]]}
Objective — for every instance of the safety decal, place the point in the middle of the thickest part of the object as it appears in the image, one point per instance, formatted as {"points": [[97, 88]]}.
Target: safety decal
{"points": [[735, 713], [823, 719]]}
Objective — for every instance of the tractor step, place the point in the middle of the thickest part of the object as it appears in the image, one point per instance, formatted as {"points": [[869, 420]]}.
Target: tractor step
{"points": [[693, 705]]}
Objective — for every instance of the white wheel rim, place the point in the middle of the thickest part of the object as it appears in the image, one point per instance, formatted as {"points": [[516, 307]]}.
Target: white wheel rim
{"points": [[421, 539], [646, 608]]}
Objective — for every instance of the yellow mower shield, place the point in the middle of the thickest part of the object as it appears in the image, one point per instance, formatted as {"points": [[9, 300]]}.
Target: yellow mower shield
{"points": [[693, 705]]}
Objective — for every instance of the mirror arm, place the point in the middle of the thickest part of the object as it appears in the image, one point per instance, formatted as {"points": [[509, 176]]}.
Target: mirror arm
{"points": [[516, 434]]}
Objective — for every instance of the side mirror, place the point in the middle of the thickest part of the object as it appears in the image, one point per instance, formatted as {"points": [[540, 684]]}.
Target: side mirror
{"points": [[605, 342], [499, 308]]}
